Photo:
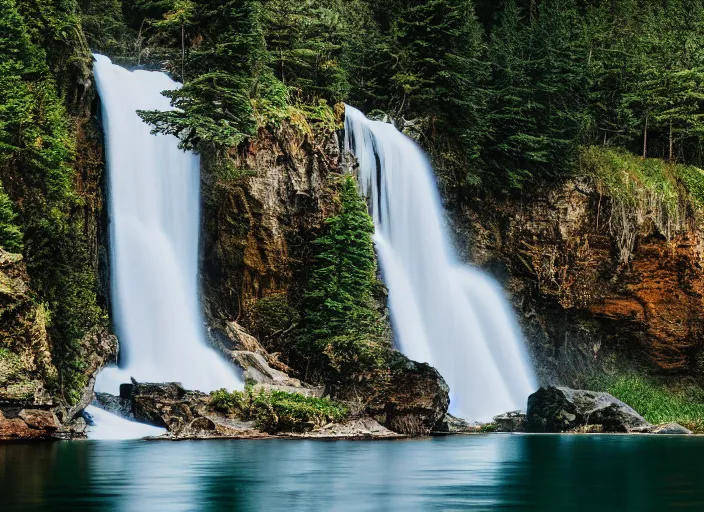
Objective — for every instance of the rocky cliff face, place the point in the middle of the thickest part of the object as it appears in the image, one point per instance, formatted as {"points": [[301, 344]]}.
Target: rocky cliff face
{"points": [[257, 228], [596, 286], [31, 403]]}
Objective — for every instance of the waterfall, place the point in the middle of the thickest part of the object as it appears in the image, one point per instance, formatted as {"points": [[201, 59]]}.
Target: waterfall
{"points": [[443, 313], [154, 210]]}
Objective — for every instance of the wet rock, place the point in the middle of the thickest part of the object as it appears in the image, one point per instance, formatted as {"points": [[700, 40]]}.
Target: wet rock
{"points": [[560, 409], [159, 404], [514, 421], [671, 429], [115, 404]]}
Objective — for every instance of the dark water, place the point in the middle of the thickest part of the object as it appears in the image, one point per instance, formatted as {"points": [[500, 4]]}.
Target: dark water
{"points": [[492, 472]]}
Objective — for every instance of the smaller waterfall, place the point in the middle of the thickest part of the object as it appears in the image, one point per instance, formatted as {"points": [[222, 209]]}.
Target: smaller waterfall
{"points": [[443, 313], [110, 427]]}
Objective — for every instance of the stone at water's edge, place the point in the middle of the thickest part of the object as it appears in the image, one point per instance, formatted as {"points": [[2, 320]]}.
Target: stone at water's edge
{"points": [[188, 415], [671, 429], [514, 421], [560, 409], [26, 424], [414, 400]]}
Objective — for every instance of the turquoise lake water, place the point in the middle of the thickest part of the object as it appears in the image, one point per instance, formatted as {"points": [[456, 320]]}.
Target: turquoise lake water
{"points": [[478, 472]]}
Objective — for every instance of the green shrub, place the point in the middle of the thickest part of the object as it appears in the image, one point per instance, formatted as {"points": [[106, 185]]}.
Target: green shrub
{"points": [[273, 315], [655, 401], [277, 411]]}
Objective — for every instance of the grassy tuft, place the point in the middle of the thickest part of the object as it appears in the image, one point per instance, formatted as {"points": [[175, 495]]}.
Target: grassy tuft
{"points": [[278, 411], [655, 401]]}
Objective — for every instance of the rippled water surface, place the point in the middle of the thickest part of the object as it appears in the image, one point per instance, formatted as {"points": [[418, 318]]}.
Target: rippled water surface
{"points": [[490, 472]]}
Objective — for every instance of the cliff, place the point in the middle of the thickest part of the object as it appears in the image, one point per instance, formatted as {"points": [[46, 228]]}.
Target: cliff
{"points": [[600, 284]]}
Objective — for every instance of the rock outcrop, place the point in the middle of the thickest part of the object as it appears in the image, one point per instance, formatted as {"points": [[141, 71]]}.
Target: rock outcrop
{"points": [[513, 422], [413, 401], [189, 415], [594, 285], [261, 369], [27, 424], [28, 407], [257, 229], [560, 409]]}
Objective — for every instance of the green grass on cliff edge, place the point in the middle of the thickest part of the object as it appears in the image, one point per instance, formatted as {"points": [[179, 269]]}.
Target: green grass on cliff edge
{"points": [[624, 176], [656, 401]]}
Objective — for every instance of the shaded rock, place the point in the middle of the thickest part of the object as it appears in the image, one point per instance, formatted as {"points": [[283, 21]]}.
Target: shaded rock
{"points": [[114, 404], [514, 421], [202, 423], [260, 368], [560, 409], [413, 401], [671, 429], [166, 405]]}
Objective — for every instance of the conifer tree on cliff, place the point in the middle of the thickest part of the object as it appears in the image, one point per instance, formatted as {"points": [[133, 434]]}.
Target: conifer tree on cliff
{"points": [[441, 75], [213, 108], [340, 329]]}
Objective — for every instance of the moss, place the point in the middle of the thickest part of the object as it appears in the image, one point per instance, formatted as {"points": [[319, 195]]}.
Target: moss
{"points": [[656, 401], [640, 189], [11, 367], [624, 176], [278, 411]]}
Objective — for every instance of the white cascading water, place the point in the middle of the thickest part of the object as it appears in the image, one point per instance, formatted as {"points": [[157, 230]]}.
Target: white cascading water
{"points": [[447, 314], [154, 209]]}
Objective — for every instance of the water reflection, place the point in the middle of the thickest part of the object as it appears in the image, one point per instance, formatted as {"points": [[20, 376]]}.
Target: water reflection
{"points": [[541, 473]]}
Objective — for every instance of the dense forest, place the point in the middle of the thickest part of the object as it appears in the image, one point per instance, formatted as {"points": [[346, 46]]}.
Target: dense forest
{"points": [[503, 94]]}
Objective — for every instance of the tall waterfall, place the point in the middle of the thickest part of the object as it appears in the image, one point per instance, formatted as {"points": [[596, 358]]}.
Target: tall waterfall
{"points": [[449, 315], [154, 208]]}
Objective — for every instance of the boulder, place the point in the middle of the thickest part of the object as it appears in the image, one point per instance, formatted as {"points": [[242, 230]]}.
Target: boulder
{"points": [[671, 429], [185, 414], [413, 401], [514, 421], [561, 409], [27, 424], [452, 425]]}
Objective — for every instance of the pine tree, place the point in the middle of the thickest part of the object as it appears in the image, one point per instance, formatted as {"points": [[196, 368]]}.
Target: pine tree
{"points": [[340, 286], [213, 110], [442, 76], [341, 333], [558, 72], [513, 135], [10, 233]]}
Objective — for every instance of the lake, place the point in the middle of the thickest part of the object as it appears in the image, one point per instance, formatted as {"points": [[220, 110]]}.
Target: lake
{"points": [[477, 472]]}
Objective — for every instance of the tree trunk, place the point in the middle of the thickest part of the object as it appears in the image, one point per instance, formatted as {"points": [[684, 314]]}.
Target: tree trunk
{"points": [[645, 137], [183, 54], [670, 152]]}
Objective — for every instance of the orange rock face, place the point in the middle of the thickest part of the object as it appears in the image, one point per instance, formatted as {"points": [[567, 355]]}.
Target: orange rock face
{"points": [[591, 279], [28, 424]]}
